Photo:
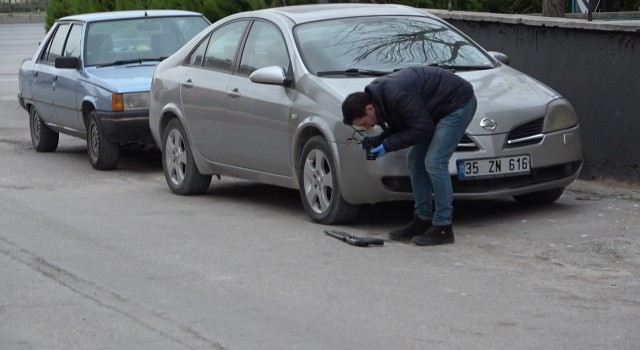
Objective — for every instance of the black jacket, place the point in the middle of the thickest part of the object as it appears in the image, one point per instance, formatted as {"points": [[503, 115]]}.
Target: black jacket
{"points": [[410, 102]]}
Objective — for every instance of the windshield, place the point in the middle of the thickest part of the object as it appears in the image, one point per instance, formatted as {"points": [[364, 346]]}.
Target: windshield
{"points": [[384, 44], [152, 38]]}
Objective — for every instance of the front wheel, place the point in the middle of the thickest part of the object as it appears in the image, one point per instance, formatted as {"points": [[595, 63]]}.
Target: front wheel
{"points": [[319, 188], [42, 137], [540, 197], [103, 154], [180, 169]]}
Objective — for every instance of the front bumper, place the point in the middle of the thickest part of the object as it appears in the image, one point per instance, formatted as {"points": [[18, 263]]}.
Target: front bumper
{"points": [[126, 127], [21, 101], [555, 176], [556, 162]]}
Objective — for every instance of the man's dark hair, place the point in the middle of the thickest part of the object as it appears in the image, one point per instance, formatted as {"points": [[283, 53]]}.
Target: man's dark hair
{"points": [[354, 105]]}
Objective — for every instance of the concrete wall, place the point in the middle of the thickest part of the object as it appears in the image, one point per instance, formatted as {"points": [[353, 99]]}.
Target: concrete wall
{"points": [[22, 18], [596, 65]]}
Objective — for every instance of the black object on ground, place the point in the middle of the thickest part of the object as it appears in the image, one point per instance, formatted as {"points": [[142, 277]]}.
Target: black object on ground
{"points": [[354, 240]]}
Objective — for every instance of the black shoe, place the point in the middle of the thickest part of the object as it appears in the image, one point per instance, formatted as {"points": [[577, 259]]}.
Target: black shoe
{"points": [[435, 236], [416, 227]]}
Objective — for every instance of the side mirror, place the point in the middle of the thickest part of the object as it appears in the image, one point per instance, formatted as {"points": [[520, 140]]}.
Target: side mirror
{"points": [[67, 62], [502, 58], [269, 75]]}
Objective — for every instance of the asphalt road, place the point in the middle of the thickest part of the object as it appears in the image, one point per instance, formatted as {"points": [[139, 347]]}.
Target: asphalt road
{"points": [[114, 260]]}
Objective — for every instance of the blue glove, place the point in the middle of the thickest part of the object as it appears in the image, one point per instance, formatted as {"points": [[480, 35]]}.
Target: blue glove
{"points": [[379, 151]]}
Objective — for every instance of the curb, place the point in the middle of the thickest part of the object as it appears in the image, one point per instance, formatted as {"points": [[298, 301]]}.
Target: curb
{"points": [[606, 189]]}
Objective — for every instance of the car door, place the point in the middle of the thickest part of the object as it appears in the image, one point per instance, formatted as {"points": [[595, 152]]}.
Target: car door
{"points": [[65, 99], [44, 74], [258, 131], [203, 89]]}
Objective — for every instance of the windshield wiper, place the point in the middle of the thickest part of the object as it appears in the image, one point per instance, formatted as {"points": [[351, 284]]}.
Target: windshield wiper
{"points": [[457, 67], [135, 60], [354, 71]]}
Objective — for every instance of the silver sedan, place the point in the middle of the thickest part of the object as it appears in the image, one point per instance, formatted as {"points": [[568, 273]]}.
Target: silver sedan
{"points": [[258, 96]]}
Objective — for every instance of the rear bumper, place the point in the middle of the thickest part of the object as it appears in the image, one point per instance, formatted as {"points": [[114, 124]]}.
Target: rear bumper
{"points": [[126, 127]]}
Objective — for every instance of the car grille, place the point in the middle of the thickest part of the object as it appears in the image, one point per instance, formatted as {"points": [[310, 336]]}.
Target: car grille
{"points": [[527, 134], [466, 145], [539, 175]]}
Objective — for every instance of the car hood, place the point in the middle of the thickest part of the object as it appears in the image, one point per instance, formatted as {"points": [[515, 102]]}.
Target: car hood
{"points": [[504, 94], [123, 78]]}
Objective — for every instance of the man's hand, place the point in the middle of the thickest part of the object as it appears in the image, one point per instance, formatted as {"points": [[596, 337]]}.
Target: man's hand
{"points": [[379, 151]]}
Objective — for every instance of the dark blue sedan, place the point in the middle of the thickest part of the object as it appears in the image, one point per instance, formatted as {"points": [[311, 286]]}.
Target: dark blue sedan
{"points": [[91, 75]]}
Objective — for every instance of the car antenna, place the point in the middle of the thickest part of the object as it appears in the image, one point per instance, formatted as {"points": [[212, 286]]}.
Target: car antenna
{"points": [[144, 8]]}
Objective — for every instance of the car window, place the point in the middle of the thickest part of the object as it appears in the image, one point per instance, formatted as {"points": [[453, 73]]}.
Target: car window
{"points": [[384, 44], [265, 47], [139, 38], [55, 45], [196, 56], [72, 48], [223, 45]]}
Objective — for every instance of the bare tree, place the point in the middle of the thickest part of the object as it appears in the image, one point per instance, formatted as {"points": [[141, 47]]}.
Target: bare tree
{"points": [[553, 8]]}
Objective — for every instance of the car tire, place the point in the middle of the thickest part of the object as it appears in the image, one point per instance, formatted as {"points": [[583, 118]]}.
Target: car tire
{"points": [[540, 197], [103, 154], [319, 188], [42, 137], [180, 170]]}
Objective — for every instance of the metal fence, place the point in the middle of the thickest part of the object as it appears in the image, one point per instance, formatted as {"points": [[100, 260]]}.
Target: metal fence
{"points": [[23, 6]]}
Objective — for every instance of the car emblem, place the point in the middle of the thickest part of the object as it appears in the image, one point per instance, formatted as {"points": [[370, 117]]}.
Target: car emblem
{"points": [[488, 124]]}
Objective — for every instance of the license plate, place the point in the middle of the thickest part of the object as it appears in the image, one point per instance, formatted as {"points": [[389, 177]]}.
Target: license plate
{"points": [[493, 167]]}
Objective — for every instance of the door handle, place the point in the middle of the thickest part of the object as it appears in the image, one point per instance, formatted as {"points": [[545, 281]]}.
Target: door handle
{"points": [[188, 84], [235, 93]]}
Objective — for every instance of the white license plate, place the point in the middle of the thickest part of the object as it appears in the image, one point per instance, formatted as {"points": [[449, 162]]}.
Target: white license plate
{"points": [[493, 167]]}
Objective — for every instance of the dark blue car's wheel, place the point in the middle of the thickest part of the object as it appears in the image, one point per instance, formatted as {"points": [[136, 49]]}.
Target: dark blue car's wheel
{"points": [[42, 138], [180, 169], [103, 154]]}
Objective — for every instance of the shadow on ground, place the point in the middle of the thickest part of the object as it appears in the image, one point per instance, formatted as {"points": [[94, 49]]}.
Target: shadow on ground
{"points": [[384, 215]]}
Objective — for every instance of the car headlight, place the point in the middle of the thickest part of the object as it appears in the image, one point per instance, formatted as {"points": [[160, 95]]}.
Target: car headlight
{"points": [[560, 115], [128, 102]]}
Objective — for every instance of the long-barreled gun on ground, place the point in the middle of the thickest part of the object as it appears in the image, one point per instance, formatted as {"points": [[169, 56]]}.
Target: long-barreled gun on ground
{"points": [[354, 240]]}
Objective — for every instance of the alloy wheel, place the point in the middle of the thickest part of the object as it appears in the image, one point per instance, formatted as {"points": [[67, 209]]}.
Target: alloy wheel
{"points": [[176, 157], [318, 181]]}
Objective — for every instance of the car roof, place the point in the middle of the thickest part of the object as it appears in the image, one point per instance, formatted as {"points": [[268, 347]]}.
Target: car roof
{"points": [[310, 13], [107, 16]]}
